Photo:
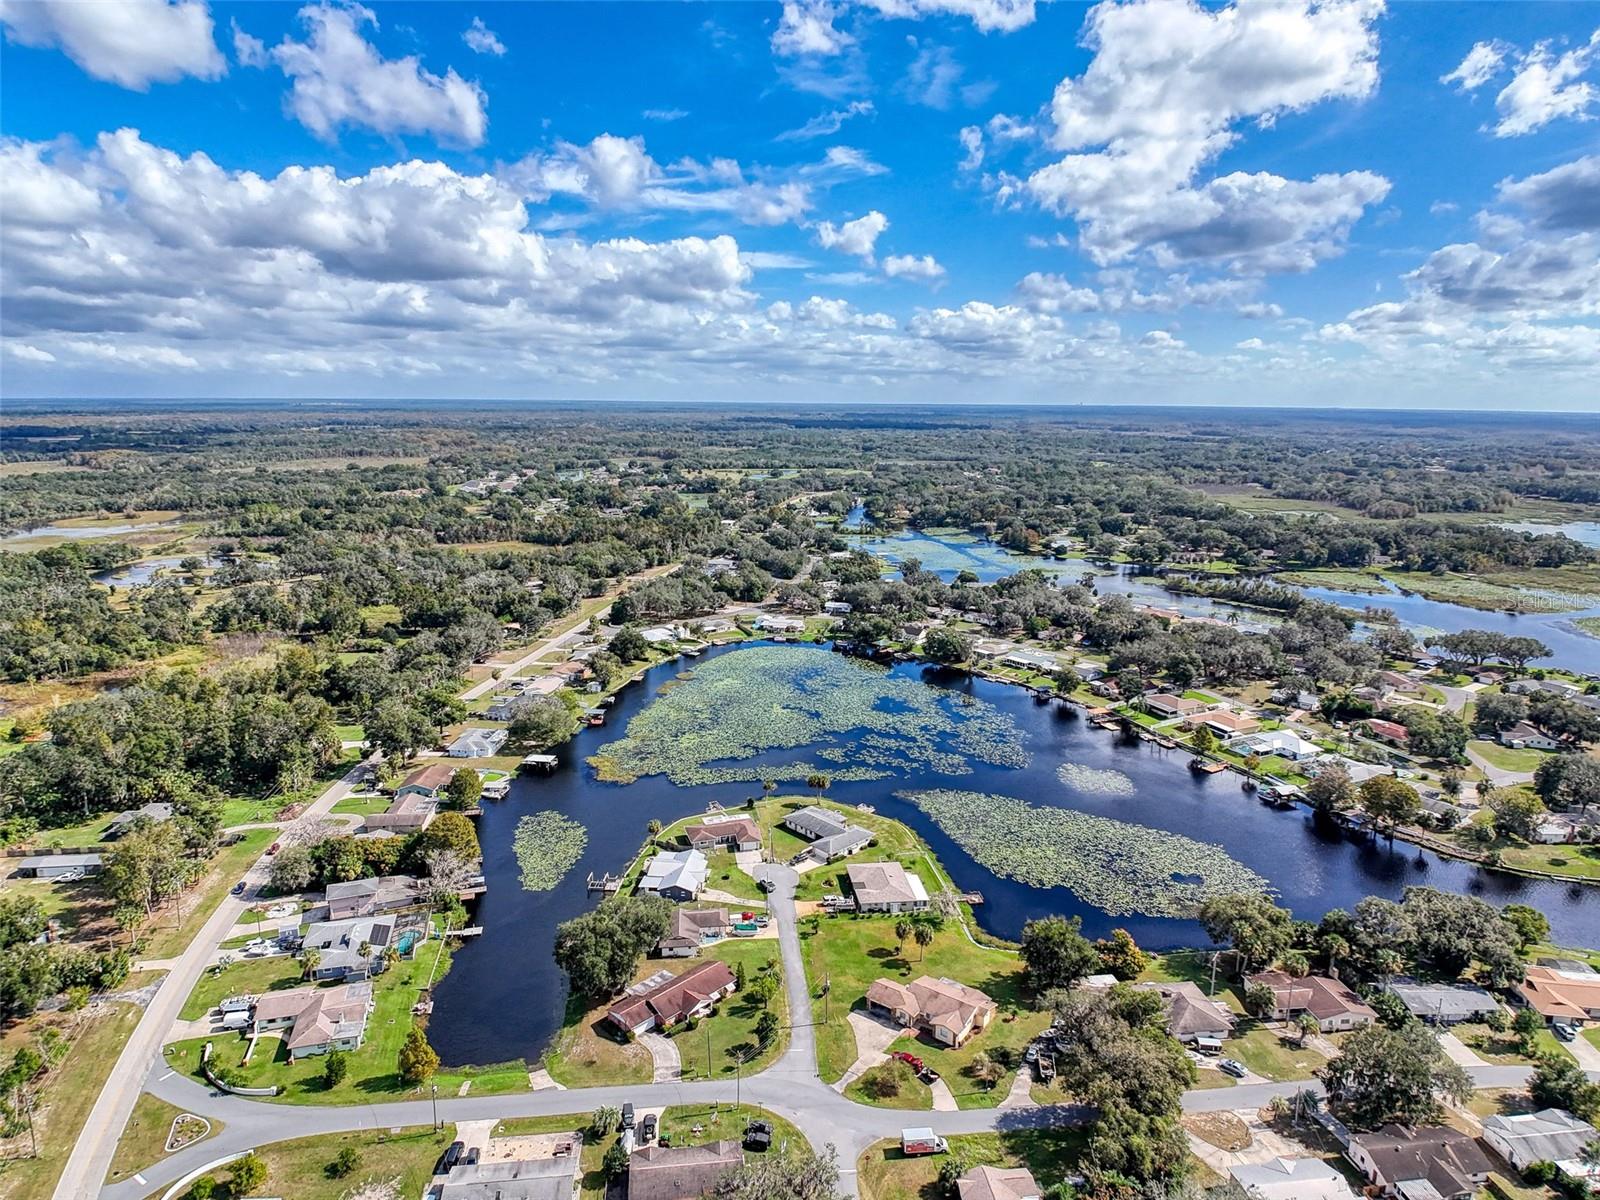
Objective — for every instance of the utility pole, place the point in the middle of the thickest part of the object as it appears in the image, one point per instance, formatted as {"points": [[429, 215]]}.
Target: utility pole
{"points": [[436, 1106], [708, 1049], [827, 988], [1213, 989]]}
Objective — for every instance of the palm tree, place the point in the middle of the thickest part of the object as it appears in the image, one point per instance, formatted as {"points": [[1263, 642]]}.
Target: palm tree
{"points": [[309, 962], [923, 935], [902, 930]]}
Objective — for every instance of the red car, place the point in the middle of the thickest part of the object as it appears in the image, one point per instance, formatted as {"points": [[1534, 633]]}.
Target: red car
{"points": [[273, 849], [911, 1060]]}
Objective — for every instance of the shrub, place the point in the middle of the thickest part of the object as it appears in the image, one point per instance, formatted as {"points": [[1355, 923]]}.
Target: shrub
{"points": [[346, 1161]]}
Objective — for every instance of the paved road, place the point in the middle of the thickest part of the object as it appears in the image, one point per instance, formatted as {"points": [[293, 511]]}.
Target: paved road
{"points": [[1498, 776], [97, 1141]]}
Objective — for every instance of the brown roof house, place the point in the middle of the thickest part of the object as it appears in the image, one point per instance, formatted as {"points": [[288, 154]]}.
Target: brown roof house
{"points": [[736, 833], [1159, 704], [1333, 1004], [1191, 1014], [416, 800], [886, 887], [1561, 995], [691, 928], [1388, 731], [998, 1183], [318, 1019], [674, 1000], [1408, 1161], [1224, 724], [949, 1012], [680, 1172]]}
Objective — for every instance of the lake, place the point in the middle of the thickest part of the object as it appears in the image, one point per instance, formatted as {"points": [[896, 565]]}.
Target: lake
{"points": [[137, 574], [504, 996]]}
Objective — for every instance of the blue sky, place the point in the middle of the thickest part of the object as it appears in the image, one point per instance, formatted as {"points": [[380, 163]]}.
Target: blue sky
{"points": [[968, 200]]}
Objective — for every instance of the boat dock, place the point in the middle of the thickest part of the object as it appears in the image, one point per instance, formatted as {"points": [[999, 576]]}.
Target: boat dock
{"points": [[608, 883], [544, 762]]}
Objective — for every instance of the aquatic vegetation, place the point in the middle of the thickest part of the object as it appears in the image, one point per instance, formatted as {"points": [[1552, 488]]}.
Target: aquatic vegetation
{"points": [[1117, 866], [853, 718], [1095, 781], [547, 845]]}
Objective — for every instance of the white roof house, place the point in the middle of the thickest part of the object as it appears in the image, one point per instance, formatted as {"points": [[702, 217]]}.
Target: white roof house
{"points": [[1551, 1135], [1284, 743], [675, 872], [477, 743], [1292, 1179]]}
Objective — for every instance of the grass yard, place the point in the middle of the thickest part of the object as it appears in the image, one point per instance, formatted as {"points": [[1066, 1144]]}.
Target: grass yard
{"points": [[1273, 1057], [1193, 966], [717, 1121], [249, 810], [76, 904], [850, 952], [171, 933], [247, 977], [1499, 1048], [144, 1138], [95, 1038], [886, 1174], [363, 805], [910, 1092], [299, 1168], [86, 834], [1506, 758], [1578, 862]]}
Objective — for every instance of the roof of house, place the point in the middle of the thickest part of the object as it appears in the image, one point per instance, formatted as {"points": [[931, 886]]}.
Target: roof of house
{"points": [[1191, 1011], [1322, 997], [814, 821], [1387, 729], [380, 885], [1558, 994], [1440, 1000], [433, 777], [680, 1172], [339, 942], [69, 861], [1550, 1135], [526, 1179], [1272, 740], [742, 829], [485, 739], [671, 999], [884, 883], [941, 1003], [1175, 704], [320, 1015], [1292, 1179], [675, 869], [1447, 1158], [688, 924], [996, 1183], [155, 811], [1231, 722], [842, 842]]}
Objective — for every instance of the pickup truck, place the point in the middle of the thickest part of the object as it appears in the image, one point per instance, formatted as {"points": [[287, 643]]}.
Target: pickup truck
{"points": [[922, 1141]]}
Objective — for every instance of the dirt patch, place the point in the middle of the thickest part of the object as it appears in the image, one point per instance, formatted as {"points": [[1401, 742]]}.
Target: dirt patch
{"points": [[1223, 1130]]}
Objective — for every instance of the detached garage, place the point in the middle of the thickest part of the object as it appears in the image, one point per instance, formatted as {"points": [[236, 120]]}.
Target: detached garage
{"points": [[54, 866]]}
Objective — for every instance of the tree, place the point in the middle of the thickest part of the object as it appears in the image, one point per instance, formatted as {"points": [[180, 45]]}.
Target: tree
{"points": [[1559, 1082], [922, 933], [600, 950], [292, 870], [1253, 926], [603, 1121], [629, 645], [764, 988], [800, 1174], [449, 873], [1260, 1000], [346, 1161], [1331, 789], [985, 1069], [944, 645], [1514, 813], [1388, 1075], [1120, 955], [766, 1028], [543, 721], [247, 1174], [1307, 1026], [398, 727], [334, 1068], [418, 1061], [1531, 925], [1495, 712], [1056, 953], [464, 789], [447, 831], [1434, 734], [615, 1163], [310, 960], [1568, 781], [902, 930], [1390, 802], [1203, 740], [148, 865]]}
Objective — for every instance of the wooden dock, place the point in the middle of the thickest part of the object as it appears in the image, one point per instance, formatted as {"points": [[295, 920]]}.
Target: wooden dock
{"points": [[609, 884]]}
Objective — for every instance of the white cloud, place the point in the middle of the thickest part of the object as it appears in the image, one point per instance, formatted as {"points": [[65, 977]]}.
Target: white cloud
{"points": [[481, 39], [806, 30], [665, 114], [933, 76], [1050, 293], [1254, 343], [857, 237], [828, 123], [1562, 199], [910, 266], [133, 43], [765, 260], [1004, 16], [991, 331], [1545, 85], [27, 353], [1168, 83], [340, 79], [971, 138], [844, 162]]}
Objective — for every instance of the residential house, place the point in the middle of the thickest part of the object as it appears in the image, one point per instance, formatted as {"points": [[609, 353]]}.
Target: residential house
{"points": [[1334, 1005], [1558, 994], [1191, 1014], [1159, 704], [477, 743], [522, 1179], [1224, 724], [839, 845], [154, 813], [947, 1011], [680, 1172], [569, 671], [53, 866], [691, 928], [1292, 1179], [1282, 743], [835, 608], [832, 837], [1444, 1003], [502, 708], [814, 822], [409, 811], [886, 887], [1550, 1135], [318, 1019], [544, 685], [998, 1183], [1030, 660], [675, 874], [732, 833], [777, 623], [1405, 1161], [369, 897], [1526, 736], [1388, 731], [675, 1000], [1395, 682], [711, 626], [428, 782], [351, 949]]}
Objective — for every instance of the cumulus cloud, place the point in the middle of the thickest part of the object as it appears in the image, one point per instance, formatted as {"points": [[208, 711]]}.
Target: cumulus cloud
{"points": [[990, 16], [481, 39], [133, 43], [339, 79], [991, 331], [828, 123], [1546, 84], [1167, 85], [1050, 293], [910, 266], [857, 237], [805, 30]]}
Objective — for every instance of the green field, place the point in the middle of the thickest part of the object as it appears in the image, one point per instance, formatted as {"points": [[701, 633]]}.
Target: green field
{"points": [[1050, 1154]]}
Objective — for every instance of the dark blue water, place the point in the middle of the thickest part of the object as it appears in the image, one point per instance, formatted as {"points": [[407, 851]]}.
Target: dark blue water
{"points": [[504, 997]]}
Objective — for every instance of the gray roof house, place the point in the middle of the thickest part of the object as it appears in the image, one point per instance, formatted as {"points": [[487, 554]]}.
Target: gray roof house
{"points": [[1292, 1179], [338, 945], [477, 743], [1551, 1135], [680, 1172], [1444, 1003], [675, 874], [839, 845], [366, 897], [1421, 1163], [155, 812], [526, 1179], [814, 822], [53, 866]]}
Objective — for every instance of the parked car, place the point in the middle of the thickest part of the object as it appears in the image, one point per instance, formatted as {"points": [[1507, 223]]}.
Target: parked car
{"points": [[928, 1075], [450, 1157], [647, 1128], [1565, 1032], [238, 888], [1031, 1054], [758, 1135], [1232, 1066], [470, 1157], [274, 848], [627, 1115]]}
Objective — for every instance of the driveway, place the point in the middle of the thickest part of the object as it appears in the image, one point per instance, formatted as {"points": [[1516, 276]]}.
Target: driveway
{"points": [[874, 1035], [1460, 1052], [1585, 1051], [664, 1054]]}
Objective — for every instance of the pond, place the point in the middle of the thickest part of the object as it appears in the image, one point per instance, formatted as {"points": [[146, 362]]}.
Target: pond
{"points": [[81, 533], [1587, 532], [137, 574], [504, 996]]}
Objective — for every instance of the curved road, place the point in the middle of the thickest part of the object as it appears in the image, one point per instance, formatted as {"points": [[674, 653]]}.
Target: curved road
{"points": [[790, 1087]]}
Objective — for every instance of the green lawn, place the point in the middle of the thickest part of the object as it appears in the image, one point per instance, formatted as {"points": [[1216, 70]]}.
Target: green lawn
{"points": [[911, 1092], [363, 805], [248, 977], [1501, 1048], [850, 952], [1579, 862], [723, 1121], [299, 1168], [1507, 759], [249, 810], [144, 1138], [1271, 1056], [1050, 1154], [86, 834]]}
